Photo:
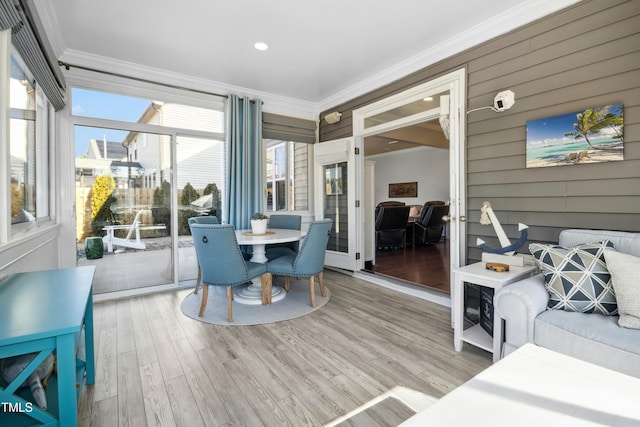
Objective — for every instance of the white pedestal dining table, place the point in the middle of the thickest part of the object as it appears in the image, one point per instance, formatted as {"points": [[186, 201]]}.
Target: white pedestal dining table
{"points": [[253, 293]]}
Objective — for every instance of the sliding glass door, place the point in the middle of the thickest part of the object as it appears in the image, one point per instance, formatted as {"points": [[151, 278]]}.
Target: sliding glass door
{"points": [[200, 184], [142, 169], [124, 203]]}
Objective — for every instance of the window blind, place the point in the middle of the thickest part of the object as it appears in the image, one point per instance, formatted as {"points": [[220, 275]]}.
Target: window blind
{"points": [[34, 49], [287, 128], [9, 17]]}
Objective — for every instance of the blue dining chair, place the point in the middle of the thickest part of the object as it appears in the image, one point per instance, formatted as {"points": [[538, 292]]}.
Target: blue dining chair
{"points": [[222, 263], [289, 222], [201, 220], [308, 262]]}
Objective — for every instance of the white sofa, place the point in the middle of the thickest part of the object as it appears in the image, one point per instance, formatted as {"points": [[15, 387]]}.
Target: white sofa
{"points": [[591, 337]]}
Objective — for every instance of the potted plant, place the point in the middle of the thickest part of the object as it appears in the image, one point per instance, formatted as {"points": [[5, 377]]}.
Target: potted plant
{"points": [[259, 223]]}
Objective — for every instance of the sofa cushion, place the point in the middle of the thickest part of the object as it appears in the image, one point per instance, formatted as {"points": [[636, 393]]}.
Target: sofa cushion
{"points": [[577, 278], [592, 337], [625, 277], [625, 242]]}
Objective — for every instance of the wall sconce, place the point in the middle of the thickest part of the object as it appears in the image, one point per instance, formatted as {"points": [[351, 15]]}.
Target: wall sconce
{"points": [[332, 118]]}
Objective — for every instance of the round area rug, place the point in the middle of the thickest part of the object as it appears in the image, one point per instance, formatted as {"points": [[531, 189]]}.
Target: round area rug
{"points": [[295, 304]]}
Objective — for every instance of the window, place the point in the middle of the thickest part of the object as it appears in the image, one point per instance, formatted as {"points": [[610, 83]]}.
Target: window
{"points": [[29, 147], [287, 176], [131, 109]]}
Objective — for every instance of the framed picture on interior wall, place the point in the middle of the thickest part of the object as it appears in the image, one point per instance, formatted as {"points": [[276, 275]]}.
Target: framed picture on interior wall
{"points": [[403, 189], [333, 180], [589, 136]]}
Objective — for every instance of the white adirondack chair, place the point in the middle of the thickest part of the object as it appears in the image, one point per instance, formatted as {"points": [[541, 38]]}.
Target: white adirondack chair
{"points": [[132, 240]]}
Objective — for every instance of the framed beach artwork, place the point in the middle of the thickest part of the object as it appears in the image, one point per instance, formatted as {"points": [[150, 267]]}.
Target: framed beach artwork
{"points": [[590, 136]]}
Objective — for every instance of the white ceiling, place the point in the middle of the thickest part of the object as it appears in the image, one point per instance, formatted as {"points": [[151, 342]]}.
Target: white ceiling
{"points": [[320, 53]]}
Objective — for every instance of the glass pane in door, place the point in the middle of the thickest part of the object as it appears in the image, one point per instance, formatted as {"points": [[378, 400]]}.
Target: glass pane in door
{"points": [[200, 182], [335, 205], [123, 207]]}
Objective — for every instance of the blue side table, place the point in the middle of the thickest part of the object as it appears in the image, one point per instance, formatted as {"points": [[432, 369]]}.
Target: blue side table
{"points": [[42, 312]]}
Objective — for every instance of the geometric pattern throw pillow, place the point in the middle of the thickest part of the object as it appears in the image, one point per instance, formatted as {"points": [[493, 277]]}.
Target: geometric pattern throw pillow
{"points": [[577, 278]]}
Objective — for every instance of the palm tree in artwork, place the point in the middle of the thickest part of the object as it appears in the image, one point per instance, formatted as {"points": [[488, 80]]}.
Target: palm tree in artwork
{"points": [[592, 120]]}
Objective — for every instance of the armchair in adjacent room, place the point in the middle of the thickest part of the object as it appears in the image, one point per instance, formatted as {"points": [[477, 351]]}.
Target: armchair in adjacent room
{"points": [[391, 226], [430, 225], [387, 203]]}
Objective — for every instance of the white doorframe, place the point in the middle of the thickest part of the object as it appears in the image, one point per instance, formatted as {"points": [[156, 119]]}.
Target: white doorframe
{"points": [[330, 153], [455, 83]]}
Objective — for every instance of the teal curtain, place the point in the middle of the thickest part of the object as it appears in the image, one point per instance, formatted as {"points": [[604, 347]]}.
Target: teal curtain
{"points": [[245, 180]]}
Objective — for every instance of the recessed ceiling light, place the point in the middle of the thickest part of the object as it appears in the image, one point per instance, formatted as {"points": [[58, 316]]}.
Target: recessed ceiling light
{"points": [[428, 98], [261, 46]]}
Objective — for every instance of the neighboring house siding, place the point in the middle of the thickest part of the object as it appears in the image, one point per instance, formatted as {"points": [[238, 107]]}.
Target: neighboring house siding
{"points": [[199, 162], [148, 152], [585, 56], [187, 117], [301, 177]]}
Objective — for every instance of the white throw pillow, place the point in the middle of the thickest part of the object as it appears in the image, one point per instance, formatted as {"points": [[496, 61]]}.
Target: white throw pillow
{"points": [[625, 276]]}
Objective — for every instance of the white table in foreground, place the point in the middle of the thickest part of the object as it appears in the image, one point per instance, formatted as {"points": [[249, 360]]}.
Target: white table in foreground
{"points": [[253, 293], [537, 387], [478, 274]]}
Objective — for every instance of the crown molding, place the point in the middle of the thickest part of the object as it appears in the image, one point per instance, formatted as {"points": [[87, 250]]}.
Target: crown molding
{"points": [[502, 23], [272, 103]]}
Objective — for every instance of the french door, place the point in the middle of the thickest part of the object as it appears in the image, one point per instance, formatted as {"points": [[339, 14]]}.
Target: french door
{"points": [[335, 190], [408, 108]]}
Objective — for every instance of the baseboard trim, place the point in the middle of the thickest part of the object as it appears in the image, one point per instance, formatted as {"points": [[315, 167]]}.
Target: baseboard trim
{"points": [[436, 297]]}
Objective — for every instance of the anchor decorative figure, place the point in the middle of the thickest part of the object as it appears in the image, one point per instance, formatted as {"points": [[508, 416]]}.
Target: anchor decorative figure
{"points": [[489, 217]]}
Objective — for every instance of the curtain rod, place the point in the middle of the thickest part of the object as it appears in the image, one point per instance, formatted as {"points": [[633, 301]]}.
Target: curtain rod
{"points": [[67, 66]]}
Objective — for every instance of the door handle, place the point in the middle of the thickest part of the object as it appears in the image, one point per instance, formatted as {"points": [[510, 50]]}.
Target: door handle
{"points": [[448, 218]]}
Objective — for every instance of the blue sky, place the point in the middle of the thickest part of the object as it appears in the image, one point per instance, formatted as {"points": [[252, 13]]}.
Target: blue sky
{"points": [[89, 103], [550, 127], [551, 130]]}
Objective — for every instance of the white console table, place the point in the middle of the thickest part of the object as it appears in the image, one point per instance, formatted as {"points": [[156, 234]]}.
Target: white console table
{"points": [[478, 274]]}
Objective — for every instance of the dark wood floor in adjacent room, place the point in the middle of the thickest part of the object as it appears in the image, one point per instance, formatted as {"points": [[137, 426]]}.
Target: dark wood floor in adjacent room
{"points": [[423, 265]]}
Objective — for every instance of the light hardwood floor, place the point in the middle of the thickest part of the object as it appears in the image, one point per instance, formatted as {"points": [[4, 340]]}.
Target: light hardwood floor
{"points": [[155, 366]]}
